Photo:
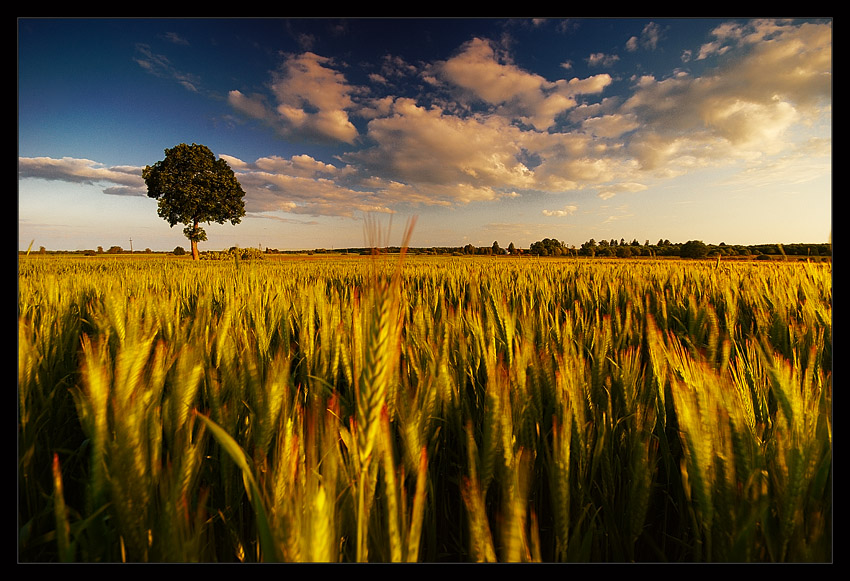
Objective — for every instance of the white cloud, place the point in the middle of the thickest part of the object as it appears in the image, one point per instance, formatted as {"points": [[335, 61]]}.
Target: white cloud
{"points": [[649, 38], [600, 59], [477, 69], [311, 99], [744, 108], [509, 131], [484, 74], [449, 157], [125, 180], [611, 126], [251, 105], [565, 211]]}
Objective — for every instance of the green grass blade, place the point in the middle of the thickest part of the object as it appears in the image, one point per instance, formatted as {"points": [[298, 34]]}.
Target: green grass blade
{"points": [[267, 542]]}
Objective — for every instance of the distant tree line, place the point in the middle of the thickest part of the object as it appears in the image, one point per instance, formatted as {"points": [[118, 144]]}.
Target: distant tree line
{"points": [[689, 249], [469, 249], [546, 247]]}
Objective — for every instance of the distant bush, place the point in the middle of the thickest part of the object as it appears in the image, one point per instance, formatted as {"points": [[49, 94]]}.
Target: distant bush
{"points": [[179, 251], [233, 253]]}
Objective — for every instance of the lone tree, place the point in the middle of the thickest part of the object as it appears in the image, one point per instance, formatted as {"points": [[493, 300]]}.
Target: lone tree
{"points": [[192, 186]]}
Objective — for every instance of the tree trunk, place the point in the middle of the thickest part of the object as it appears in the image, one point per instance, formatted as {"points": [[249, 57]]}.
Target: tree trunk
{"points": [[195, 242]]}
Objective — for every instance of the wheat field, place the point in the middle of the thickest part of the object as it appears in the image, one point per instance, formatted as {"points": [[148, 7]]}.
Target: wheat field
{"points": [[424, 409]]}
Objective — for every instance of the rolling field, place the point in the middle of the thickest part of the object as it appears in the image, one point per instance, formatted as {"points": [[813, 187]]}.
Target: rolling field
{"points": [[430, 409]]}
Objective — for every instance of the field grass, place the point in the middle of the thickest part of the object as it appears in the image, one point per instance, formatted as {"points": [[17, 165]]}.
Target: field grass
{"points": [[435, 409]]}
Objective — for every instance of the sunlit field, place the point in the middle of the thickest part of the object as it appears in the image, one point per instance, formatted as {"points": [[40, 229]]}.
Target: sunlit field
{"points": [[424, 409]]}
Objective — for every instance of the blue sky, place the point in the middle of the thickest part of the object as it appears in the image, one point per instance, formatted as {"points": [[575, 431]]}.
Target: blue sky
{"points": [[484, 129]]}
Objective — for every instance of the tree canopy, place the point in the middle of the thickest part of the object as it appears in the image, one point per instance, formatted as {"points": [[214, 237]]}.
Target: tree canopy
{"points": [[693, 249], [548, 247], [192, 186]]}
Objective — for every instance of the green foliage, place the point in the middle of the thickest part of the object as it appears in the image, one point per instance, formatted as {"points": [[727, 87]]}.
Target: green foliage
{"points": [[548, 247], [234, 253], [693, 249]]}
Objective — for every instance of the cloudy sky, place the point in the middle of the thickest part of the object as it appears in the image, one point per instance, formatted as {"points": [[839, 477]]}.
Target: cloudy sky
{"points": [[485, 130]]}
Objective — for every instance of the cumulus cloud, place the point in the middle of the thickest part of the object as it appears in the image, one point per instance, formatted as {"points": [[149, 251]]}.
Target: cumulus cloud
{"points": [[311, 100], [611, 126], [444, 153], [600, 59], [477, 69], [254, 106], [743, 108], [489, 129], [649, 38], [304, 185], [301, 185], [484, 74], [729, 35], [501, 129]]}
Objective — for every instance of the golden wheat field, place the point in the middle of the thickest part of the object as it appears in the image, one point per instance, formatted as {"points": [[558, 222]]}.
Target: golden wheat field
{"points": [[424, 409]]}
